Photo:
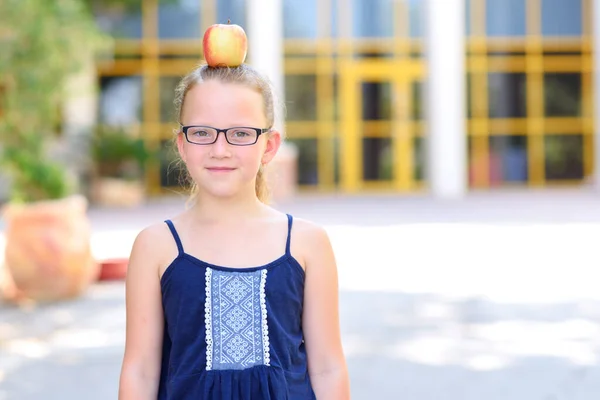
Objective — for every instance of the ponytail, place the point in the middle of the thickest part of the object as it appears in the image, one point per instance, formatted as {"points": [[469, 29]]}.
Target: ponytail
{"points": [[262, 187]]}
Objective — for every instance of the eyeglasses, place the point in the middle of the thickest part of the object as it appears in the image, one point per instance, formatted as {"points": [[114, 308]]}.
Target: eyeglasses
{"points": [[238, 136]]}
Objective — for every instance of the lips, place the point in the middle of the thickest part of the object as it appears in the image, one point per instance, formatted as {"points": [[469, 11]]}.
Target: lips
{"points": [[220, 169]]}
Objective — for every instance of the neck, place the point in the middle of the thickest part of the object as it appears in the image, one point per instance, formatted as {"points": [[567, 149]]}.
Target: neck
{"points": [[225, 209]]}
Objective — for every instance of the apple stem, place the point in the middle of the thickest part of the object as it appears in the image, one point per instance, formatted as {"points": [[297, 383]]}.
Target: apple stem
{"points": [[228, 21]]}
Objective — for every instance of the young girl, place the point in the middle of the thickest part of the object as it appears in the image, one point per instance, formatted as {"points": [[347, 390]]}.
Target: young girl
{"points": [[231, 299]]}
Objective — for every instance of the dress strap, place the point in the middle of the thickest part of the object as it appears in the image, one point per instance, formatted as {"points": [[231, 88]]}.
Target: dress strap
{"points": [[289, 235], [175, 235]]}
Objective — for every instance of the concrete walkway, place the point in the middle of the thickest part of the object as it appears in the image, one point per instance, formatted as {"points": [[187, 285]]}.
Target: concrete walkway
{"points": [[493, 297]]}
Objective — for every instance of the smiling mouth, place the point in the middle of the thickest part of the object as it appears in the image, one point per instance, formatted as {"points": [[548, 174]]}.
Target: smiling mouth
{"points": [[220, 169]]}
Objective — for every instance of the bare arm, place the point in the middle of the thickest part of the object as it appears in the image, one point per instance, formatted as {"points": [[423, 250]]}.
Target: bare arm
{"points": [[326, 362], [140, 372]]}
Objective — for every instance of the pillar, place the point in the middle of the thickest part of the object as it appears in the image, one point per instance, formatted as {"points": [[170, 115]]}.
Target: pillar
{"points": [[446, 98], [265, 53], [265, 43]]}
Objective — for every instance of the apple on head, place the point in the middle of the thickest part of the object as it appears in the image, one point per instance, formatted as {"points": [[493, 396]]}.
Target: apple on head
{"points": [[225, 45]]}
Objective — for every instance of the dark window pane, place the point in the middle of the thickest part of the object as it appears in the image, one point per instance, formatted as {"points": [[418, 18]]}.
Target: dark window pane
{"points": [[120, 22], [417, 101], [336, 159], [301, 97], [180, 20], [469, 98], [505, 53], [381, 55], [372, 18], [120, 100], [299, 18], [234, 10], [336, 101], [419, 144], [167, 95], [471, 162], [508, 159], [564, 157], [376, 101], [562, 95], [507, 95], [307, 161], [561, 17], [172, 169], [416, 54], [377, 159], [505, 17]]}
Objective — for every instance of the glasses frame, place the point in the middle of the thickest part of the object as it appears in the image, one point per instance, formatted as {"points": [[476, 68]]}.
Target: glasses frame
{"points": [[259, 131]]}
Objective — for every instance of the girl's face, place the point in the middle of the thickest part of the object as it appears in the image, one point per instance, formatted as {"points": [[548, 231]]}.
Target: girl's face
{"points": [[222, 169]]}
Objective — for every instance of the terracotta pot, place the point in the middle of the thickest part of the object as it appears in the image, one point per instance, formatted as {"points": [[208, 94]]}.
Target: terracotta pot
{"points": [[48, 249], [113, 269]]}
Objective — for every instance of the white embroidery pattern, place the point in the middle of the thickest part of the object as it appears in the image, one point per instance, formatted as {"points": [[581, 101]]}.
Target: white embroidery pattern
{"points": [[237, 333], [208, 320], [265, 326]]}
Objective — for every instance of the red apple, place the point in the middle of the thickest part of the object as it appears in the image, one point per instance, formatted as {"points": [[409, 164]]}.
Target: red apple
{"points": [[225, 45]]}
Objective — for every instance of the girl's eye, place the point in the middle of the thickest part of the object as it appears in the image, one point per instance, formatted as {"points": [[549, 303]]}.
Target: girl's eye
{"points": [[240, 133], [200, 133]]}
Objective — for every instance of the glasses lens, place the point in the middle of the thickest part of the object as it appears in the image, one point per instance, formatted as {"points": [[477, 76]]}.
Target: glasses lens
{"points": [[201, 135], [241, 136]]}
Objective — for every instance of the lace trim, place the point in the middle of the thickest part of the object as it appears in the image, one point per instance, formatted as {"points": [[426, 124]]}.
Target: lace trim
{"points": [[208, 320], [265, 326]]}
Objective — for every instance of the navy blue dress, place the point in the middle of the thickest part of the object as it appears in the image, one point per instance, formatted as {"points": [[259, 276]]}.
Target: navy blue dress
{"points": [[233, 333]]}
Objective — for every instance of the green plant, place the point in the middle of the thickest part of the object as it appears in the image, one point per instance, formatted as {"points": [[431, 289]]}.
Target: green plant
{"points": [[40, 44], [118, 154]]}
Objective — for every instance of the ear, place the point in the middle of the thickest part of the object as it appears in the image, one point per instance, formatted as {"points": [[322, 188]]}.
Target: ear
{"points": [[272, 146], [180, 145]]}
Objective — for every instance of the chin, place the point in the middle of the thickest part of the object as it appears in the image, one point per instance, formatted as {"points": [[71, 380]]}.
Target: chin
{"points": [[222, 191]]}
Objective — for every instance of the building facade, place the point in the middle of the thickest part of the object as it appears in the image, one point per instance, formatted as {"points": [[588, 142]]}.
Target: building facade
{"points": [[357, 89]]}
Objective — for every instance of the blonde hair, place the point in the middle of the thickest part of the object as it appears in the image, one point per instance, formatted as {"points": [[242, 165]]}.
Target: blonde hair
{"points": [[243, 75]]}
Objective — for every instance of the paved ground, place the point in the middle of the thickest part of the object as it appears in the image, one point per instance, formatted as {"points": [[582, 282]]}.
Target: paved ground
{"points": [[493, 297]]}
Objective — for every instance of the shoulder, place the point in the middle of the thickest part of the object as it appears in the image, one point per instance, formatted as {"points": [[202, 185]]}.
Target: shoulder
{"points": [[310, 242], [154, 244], [152, 235], [308, 231]]}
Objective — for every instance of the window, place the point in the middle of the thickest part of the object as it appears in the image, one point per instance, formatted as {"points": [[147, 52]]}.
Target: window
{"points": [[505, 17], [121, 23], [300, 97], [562, 94], [120, 100], [561, 17], [564, 157], [507, 95], [180, 20], [234, 10], [372, 18], [300, 18]]}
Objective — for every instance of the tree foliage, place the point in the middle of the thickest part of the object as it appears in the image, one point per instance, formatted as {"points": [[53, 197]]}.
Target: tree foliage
{"points": [[40, 46]]}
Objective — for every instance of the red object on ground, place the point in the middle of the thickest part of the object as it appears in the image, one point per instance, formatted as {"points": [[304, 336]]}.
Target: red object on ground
{"points": [[113, 269]]}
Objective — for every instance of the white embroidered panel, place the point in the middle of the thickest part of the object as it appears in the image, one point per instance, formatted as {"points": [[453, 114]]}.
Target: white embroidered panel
{"points": [[237, 334]]}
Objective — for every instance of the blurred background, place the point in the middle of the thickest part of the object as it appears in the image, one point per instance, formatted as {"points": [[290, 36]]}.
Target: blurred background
{"points": [[449, 147]]}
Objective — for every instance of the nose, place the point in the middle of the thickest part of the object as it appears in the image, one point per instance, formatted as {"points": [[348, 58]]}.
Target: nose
{"points": [[220, 148]]}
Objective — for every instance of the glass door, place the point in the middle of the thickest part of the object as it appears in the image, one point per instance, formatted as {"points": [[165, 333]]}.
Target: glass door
{"points": [[380, 125]]}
